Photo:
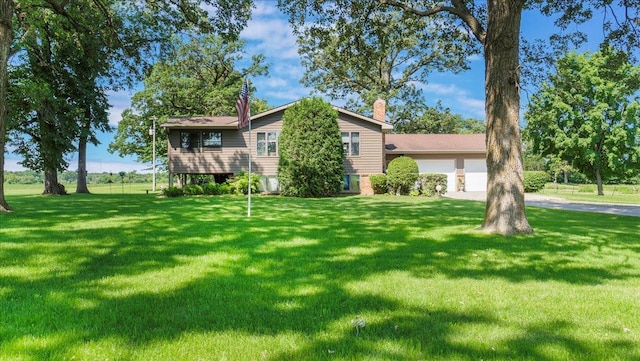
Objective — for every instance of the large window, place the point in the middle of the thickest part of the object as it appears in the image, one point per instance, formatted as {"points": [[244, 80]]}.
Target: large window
{"points": [[267, 145], [190, 141], [351, 143], [193, 141], [211, 140]]}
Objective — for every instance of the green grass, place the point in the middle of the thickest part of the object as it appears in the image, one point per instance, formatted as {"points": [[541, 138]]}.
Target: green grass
{"points": [[136, 277], [624, 194]]}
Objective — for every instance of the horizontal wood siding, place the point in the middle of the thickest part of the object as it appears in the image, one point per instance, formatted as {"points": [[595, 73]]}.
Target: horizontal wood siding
{"points": [[271, 123], [233, 156], [371, 158]]}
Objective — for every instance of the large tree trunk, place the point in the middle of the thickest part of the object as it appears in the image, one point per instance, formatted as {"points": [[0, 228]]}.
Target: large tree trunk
{"points": [[6, 37], [51, 185], [505, 209], [81, 184]]}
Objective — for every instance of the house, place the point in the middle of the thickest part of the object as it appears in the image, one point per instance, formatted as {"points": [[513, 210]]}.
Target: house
{"points": [[214, 146]]}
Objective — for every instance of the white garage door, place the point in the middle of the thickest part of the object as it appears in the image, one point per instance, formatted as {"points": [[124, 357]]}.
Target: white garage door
{"points": [[475, 174], [443, 166]]}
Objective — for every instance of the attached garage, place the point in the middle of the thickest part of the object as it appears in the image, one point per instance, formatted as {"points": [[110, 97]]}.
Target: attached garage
{"points": [[455, 155], [442, 166], [475, 175]]}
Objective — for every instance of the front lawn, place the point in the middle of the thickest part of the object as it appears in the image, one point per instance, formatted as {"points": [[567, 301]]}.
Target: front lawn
{"points": [[135, 277]]}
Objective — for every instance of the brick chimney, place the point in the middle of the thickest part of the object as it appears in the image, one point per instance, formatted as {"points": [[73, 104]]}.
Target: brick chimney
{"points": [[379, 110]]}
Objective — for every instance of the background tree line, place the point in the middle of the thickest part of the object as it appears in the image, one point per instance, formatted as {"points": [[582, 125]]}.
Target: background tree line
{"points": [[70, 177]]}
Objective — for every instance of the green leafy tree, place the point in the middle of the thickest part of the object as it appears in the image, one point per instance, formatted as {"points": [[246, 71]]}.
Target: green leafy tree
{"points": [[495, 24], [373, 52], [588, 115], [439, 120], [130, 35], [198, 77], [56, 99], [310, 149]]}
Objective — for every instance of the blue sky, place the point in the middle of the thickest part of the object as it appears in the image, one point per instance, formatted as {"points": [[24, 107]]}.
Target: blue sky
{"points": [[268, 33]]}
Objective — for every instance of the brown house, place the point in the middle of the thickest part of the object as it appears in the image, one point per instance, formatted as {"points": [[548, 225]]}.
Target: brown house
{"points": [[215, 146]]}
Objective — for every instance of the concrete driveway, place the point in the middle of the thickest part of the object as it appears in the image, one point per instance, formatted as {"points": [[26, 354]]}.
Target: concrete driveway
{"points": [[545, 201]]}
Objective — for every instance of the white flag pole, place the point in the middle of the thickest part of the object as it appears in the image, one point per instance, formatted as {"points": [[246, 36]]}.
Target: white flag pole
{"points": [[249, 199]]}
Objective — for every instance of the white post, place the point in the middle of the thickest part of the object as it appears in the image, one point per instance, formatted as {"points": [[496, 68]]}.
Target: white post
{"points": [[153, 165], [249, 194]]}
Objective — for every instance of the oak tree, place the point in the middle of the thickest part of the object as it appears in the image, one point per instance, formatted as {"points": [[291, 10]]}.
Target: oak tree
{"points": [[198, 76], [132, 33], [588, 115], [372, 51]]}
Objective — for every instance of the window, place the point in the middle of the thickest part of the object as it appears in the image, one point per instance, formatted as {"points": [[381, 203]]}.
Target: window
{"points": [[267, 145], [350, 143], [190, 141], [355, 143], [211, 140], [351, 183]]}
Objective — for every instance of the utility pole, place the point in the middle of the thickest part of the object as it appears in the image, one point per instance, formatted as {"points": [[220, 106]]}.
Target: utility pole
{"points": [[152, 132]]}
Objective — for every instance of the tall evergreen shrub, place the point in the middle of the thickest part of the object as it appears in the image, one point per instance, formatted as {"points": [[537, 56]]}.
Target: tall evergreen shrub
{"points": [[310, 149]]}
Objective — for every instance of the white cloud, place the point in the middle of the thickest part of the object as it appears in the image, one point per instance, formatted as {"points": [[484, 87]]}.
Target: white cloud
{"points": [[263, 8], [116, 167], [11, 165], [441, 89], [457, 99], [474, 107], [119, 101], [271, 37]]}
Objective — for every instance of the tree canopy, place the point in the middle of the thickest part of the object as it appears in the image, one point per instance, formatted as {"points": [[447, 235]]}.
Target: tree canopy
{"points": [[199, 76], [107, 44], [588, 115], [373, 51], [438, 120]]}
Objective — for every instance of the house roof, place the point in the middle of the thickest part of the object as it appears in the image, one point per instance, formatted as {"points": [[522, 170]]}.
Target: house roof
{"points": [[218, 122], [384, 125], [435, 143], [229, 122]]}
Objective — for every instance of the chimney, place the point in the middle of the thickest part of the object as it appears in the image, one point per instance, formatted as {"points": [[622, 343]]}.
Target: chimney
{"points": [[379, 110]]}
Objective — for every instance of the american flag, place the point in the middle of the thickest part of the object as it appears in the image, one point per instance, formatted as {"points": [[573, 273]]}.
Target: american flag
{"points": [[242, 106]]}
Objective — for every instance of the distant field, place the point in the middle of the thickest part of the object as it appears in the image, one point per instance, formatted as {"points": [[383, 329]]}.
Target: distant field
{"points": [[625, 194], [114, 188], [112, 276]]}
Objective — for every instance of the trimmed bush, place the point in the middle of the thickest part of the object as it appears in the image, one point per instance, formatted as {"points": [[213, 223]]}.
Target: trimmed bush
{"points": [[378, 183], [310, 147], [429, 181], [172, 192], [534, 181], [402, 175]]}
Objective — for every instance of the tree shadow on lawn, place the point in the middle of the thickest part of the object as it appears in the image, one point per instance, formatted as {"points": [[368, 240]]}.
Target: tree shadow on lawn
{"points": [[199, 266]]}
